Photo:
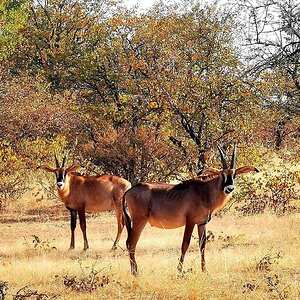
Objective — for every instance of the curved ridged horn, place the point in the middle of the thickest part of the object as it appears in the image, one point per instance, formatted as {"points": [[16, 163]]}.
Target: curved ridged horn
{"points": [[233, 158], [56, 161], [65, 159], [223, 159]]}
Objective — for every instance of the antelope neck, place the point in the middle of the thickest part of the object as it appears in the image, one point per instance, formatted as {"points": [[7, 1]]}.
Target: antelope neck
{"points": [[218, 197], [64, 193]]}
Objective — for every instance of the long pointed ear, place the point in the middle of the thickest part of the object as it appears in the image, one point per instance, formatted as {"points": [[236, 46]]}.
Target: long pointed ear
{"points": [[210, 172], [245, 169], [46, 168], [73, 168]]}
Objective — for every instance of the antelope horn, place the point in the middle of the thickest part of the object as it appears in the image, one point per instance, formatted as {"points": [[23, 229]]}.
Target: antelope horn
{"points": [[223, 159], [65, 159], [56, 161], [233, 159]]}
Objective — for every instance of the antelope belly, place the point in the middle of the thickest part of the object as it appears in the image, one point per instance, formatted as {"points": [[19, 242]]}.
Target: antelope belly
{"points": [[98, 207], [168, 223]]}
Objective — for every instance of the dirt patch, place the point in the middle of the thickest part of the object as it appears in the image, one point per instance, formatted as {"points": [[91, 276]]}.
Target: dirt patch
{"points": [[57, 212]]}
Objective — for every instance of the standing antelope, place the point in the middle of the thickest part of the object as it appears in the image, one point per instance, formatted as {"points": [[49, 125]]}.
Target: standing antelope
{"points": [[186, 204], [88, 193]]}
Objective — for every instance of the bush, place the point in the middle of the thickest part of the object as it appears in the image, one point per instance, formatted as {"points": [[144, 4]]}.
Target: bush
{"points": [[275, 191]]}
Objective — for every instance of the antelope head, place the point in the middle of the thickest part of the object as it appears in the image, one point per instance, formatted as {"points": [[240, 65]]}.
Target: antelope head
{"points": [[60, 171], [228, 174]]}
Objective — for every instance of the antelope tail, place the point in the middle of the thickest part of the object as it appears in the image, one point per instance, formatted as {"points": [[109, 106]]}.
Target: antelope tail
{"points": [[126, 218]]}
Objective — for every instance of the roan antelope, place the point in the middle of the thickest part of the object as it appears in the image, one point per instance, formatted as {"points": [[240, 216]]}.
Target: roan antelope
{"points": [[186, 204], [88, 193]]}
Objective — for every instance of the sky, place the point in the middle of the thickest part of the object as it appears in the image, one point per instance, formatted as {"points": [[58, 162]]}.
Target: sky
{"points": [[144, 4], [141, 3], [147, 3]]}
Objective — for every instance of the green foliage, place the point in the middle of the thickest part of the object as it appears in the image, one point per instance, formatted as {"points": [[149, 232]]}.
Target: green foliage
{"points": [[18, 164], [13, 18]]}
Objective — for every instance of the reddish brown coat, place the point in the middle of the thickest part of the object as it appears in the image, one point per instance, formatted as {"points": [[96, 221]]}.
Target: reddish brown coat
{"points": [[186, 204], [89, 193]]}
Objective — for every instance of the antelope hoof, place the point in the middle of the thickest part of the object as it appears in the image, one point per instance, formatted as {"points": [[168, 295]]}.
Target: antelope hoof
{"points": [[179, 267], [114, 248], [71, 248], [85, 248], [134, 270]]}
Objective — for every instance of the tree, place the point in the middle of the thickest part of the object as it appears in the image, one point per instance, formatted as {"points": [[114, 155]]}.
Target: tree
{"points": [[195, 74], [34, 124], [13, 18], [147, 96], [272, 48]]}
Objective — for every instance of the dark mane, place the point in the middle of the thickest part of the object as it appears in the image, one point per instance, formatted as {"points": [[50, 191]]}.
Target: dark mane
{"points": [[186, 183], [76, 173], [199, 180]]}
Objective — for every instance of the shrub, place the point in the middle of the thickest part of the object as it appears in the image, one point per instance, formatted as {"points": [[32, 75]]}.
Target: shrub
{"points": [[275, 191]]}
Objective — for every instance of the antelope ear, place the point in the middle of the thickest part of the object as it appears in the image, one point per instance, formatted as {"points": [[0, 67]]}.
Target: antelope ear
{"points": [[73, 168], [210, 172], [245, 169], [46, 168]]}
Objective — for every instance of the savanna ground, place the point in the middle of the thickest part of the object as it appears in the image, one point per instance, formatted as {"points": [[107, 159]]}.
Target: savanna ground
{"points": [[253, 257]]}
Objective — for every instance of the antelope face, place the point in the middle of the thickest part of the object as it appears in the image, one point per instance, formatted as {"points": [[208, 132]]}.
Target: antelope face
{"points": [[228, 181], [60, 177], [228, 174], [60, 171]]}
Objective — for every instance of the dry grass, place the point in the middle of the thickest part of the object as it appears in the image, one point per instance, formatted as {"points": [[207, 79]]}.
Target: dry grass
{"points": [[249, 258]]}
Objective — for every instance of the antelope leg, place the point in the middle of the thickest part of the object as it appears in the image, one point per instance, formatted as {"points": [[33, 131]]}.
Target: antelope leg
{"points": [[120, 221], [185, 243], [73, 215], [202, 242], [82, 221], [137, 228]]}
